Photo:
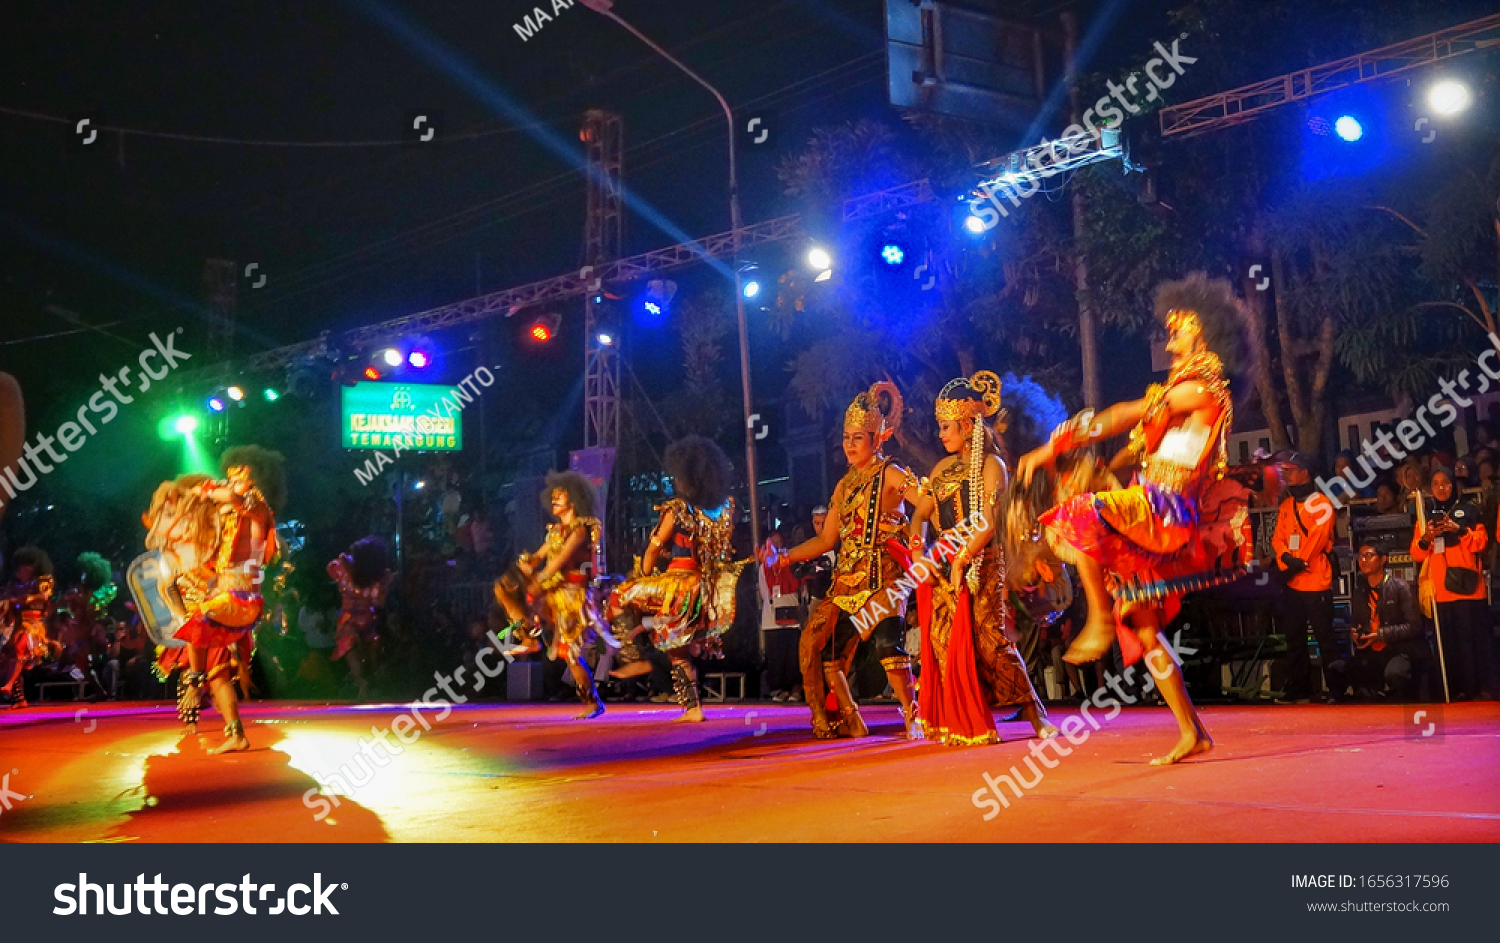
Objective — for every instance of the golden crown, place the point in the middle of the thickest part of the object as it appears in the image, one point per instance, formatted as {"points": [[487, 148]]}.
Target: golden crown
{"points": [[985, 383], [865, 414]]}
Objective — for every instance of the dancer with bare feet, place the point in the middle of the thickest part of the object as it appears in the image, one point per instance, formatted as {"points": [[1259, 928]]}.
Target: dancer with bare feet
{"points": [[969, 663], [1182, 524], [692, 600], [234, 520], [555, 579]]}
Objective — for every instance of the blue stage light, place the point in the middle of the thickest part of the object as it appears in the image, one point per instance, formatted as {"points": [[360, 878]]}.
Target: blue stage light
{"points": [[216, 404], [974, 225], [1348, 128], [652, 308], [892, 254], [750, 289], [418, 359]]}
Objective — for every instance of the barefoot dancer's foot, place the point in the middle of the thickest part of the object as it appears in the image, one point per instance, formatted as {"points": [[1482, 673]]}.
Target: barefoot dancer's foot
{"points": [[232, 745], [1041, 727], [234, 734], [633, 670], [1191, 744], [690, 716], [589, 713], [1093, 641]]}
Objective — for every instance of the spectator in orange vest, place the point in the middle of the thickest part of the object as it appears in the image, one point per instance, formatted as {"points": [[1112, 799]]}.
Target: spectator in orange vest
{"points": [[1301, 543], [1450, 544]]}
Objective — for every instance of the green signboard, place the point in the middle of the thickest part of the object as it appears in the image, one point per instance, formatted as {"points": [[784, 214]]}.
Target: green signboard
{"points": [[416, 416]]}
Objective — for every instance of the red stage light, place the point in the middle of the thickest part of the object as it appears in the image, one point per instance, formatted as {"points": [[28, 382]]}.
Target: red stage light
{"points": [[371, 373], [541, 332]]}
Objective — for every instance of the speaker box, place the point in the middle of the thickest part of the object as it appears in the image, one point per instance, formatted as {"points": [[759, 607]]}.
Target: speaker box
{"points": [[523, 681]]}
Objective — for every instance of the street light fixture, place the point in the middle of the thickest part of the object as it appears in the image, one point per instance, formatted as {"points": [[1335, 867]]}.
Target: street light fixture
{"points": [[605, 8]]}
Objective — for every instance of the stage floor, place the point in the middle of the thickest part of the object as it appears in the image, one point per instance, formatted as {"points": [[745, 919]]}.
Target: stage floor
{"points": [[503, 772]]}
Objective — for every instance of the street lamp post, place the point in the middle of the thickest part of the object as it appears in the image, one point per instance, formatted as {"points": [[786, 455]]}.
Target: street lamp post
{"points": [[604, 7]]}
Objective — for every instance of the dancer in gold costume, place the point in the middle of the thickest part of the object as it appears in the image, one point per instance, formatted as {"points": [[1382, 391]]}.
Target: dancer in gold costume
{"points": [[555, 580], [969, 664], [1182, 524], [692, 600], [867, 524]]}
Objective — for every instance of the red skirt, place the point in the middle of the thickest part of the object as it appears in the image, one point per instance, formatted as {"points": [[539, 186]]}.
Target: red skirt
{"points": [[951, 701]]}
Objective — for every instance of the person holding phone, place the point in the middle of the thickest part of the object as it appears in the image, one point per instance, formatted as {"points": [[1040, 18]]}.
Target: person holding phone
{"points": [[1450, 545]]}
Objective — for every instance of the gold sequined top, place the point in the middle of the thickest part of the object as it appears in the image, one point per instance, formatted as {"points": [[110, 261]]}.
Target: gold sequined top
{"points": [[864, 565], [571, 569], [1174, 457]]}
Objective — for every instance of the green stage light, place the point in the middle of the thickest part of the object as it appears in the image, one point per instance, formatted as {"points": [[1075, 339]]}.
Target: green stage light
{"points": [[271, 395], [185, 425]]}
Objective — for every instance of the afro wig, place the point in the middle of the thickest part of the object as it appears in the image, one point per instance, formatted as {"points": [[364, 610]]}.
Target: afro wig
{"points": [[1223, 316], [371, 561], [580, 492], [34, 557], [267, 471], [94, 570], [701, 472]]}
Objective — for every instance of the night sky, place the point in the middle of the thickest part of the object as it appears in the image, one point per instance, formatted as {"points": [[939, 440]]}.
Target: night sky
{"points": [[101, 245]]}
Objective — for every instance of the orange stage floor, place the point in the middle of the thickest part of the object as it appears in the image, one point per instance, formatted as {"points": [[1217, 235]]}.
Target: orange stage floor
{"points": [[503, 772]]}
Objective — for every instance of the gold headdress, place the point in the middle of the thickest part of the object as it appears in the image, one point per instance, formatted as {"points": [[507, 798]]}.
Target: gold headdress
{"points": [[985, 383], [952, 407], [866, 415]]}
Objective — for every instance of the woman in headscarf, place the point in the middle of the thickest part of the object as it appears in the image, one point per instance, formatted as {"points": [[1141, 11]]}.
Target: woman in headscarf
{"points": [[1448, 543]]}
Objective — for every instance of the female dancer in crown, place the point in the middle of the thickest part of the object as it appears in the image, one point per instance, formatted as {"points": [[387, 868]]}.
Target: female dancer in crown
{"points": [[969, 664], [693, 599], [556, 580], [1181, 521]]}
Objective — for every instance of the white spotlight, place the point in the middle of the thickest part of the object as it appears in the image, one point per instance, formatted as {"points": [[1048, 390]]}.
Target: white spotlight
{"points": [[1449, 97], [819, 260]]}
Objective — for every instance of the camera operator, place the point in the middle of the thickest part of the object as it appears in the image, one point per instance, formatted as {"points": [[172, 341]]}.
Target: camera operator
{"points": [[1388, 636], [1448, 547]]}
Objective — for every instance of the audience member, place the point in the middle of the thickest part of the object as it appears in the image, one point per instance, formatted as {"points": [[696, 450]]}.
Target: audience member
{"points": [[1301, 543], [1390, 651], [1448, 542]]}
